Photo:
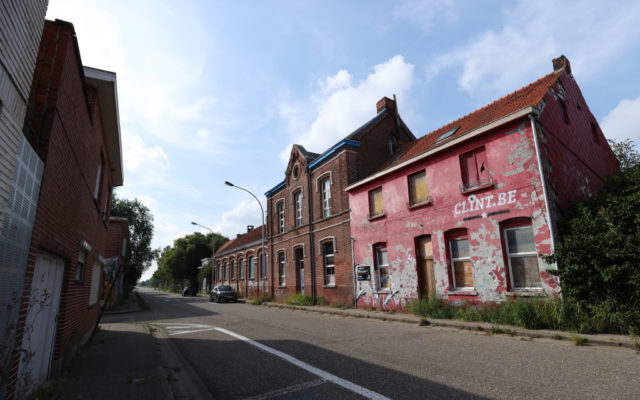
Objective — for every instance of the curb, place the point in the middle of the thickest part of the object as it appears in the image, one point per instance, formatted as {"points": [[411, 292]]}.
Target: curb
{"points": [[609, 340]]}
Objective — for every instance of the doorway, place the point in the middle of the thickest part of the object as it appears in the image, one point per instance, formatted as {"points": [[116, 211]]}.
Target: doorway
{"points": [[426, 275], [299, 263]]}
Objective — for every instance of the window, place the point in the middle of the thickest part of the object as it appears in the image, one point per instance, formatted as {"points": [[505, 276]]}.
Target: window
{"points": [[95, 283], [280, 208], [460, 263], [252, 267], [298, 207], [326, 198], [232, 270], [522, 257], [219, 273], [225, 271], [475, 170], [281, 268], [375, 203], [382, 266], [96, 190], [418, 191], [241, 269], [329, 268], [80, 266], [393, 144], [447, 134]]}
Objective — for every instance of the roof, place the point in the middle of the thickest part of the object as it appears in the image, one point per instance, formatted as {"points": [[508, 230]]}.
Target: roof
{"points": [[242, 241], [526, 97]]}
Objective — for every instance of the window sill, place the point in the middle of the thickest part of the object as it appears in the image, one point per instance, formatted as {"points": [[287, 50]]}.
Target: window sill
{"points": [[378, 216], [282, 286], [533, 292], [328, 286], [418, 205], [463, 292], [477, 188]]}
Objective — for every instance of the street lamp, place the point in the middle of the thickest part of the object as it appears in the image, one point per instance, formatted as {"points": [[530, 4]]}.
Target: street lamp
{"points": [[263, 263], [213, 248]]}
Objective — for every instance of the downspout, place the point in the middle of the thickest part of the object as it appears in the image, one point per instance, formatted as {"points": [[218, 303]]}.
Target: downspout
{"points": [[312, 246], [543, 180], [355, 277]]}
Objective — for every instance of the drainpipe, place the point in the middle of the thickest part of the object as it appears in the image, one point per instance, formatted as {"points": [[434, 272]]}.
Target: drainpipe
{"points": [[312, 246], [543, 180], [355, 277]]}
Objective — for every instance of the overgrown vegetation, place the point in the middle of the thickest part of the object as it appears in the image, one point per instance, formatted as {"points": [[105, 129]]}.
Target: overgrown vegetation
{"points": [[261, 299], [599, 251], [299, 299], [530, 314]]}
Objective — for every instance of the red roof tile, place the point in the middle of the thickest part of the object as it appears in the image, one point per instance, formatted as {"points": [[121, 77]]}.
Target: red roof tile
{"points": [[253, 235], [529, 95]]}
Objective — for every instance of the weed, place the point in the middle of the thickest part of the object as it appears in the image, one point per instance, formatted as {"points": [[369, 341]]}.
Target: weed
{"points": [[341, 305], [578, 340], [299, 299], [557, 337], [424, 322], [321, 301], [496, 330], [509, 332]]}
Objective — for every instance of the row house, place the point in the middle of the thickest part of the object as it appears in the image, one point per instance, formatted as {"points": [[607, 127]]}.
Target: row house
{"points": [[72, 130], [309, 247], [237, 263], [21, 25], [466, 212]]}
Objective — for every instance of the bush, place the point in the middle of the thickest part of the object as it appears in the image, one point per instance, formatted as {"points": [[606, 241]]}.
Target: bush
{"points": [[299, 299]]}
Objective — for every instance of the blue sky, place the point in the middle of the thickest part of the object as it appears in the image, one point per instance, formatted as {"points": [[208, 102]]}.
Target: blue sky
{"points": [[212, 91]]}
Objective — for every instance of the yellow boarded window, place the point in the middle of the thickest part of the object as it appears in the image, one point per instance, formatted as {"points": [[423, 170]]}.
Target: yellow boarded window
{"points": [[375, 202], [418, 190]]}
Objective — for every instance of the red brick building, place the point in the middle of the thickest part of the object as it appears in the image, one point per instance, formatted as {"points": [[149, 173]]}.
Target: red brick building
{"points": [[466, 212], [237, 263], [117, 254], [308, 213], [72, 124]]}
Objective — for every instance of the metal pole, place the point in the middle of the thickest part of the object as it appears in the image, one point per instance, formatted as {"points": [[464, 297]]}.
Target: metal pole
{"points": [[213, 248], [262, 256]]}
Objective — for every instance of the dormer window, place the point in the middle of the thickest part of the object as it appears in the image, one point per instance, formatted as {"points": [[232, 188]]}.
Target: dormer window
{"points": [[393, 144]]}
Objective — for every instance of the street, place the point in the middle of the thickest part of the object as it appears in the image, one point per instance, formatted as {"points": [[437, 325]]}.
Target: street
{"points": [[241, 351]]}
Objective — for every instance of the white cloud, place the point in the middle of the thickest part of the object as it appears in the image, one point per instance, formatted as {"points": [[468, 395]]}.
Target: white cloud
{"points": [[590, 34], [340, 106], [235, 221], [143, 165], [623, 121]]}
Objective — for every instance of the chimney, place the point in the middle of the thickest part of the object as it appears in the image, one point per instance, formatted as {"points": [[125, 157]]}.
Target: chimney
{"points": [[561, 62], [249, 228], [383, 103]]}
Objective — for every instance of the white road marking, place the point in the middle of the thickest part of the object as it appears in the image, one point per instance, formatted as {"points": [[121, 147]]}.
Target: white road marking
{"points": [[181, 328], [316, 371], [287, 390]]}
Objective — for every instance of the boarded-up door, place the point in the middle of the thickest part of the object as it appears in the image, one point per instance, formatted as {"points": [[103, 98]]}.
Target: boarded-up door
{"points": [[426, 276], [299, 259], [41, 322]]}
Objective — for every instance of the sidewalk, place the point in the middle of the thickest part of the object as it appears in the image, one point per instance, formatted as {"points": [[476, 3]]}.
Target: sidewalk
{"points": [[123, 361], [598, 339]]}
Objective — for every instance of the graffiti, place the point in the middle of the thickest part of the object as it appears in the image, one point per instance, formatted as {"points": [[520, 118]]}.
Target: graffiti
{"points": [[475, 203]]}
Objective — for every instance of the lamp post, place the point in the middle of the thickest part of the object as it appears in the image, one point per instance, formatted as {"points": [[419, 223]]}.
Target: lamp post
{"points": [[213, 248], [262, 240]]}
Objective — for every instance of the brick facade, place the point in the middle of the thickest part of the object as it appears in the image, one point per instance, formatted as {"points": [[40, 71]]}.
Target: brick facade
{"points": [[481, 240], [74, 131], [300, 244]]}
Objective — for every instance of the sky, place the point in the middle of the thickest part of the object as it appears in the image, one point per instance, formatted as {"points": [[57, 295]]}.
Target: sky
{"points": [[215, 91]]}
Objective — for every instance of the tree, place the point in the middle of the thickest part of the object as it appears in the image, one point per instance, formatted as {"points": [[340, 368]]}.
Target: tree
{"points": [[599, 252], [141, 233], [178, 265]]}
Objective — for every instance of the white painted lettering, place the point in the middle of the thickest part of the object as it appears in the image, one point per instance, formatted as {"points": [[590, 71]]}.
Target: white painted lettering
{"points": [[488, 199], [502, 199], [512, 197], [456, 209], [475, 203], [479, 203]]}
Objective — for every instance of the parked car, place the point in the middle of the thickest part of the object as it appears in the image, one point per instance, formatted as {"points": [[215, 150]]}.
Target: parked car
{"points": [[223, 293], [188, 291]]}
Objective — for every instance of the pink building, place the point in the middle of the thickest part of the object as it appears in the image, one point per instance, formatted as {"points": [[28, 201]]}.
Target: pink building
{"points": [[466, 212]]}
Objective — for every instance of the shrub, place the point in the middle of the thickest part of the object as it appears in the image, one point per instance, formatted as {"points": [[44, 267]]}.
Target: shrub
{"points": [[299, 299]]}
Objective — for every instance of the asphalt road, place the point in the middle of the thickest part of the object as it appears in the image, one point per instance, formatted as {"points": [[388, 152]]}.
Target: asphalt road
{"points": [[240, 351]]}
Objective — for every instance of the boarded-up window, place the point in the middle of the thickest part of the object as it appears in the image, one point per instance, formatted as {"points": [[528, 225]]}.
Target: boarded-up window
{"points": [[375, 202], [298, 207], [474, 169], [418, 191], [281, 217], [252, 267], [461, 263], [232, 270], [281, 268], [326, 198], [382, 265], [523, 258]]}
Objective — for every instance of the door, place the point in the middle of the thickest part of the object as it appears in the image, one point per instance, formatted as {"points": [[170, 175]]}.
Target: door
{"points": [[299, 258], [42, 316], [426, 275]]}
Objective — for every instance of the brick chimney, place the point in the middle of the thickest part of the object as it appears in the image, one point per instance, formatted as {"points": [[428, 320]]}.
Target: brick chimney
{"points": [[383, 103], [249, 228], [561, 62]]}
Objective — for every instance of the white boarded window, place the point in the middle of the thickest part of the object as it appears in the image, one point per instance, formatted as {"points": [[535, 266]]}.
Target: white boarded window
{"points": [[95, 284]]}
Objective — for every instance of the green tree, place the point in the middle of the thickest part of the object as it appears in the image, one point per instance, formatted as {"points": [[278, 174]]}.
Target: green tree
{"points": [[141, 234], [178, 265], [599, 252]]}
